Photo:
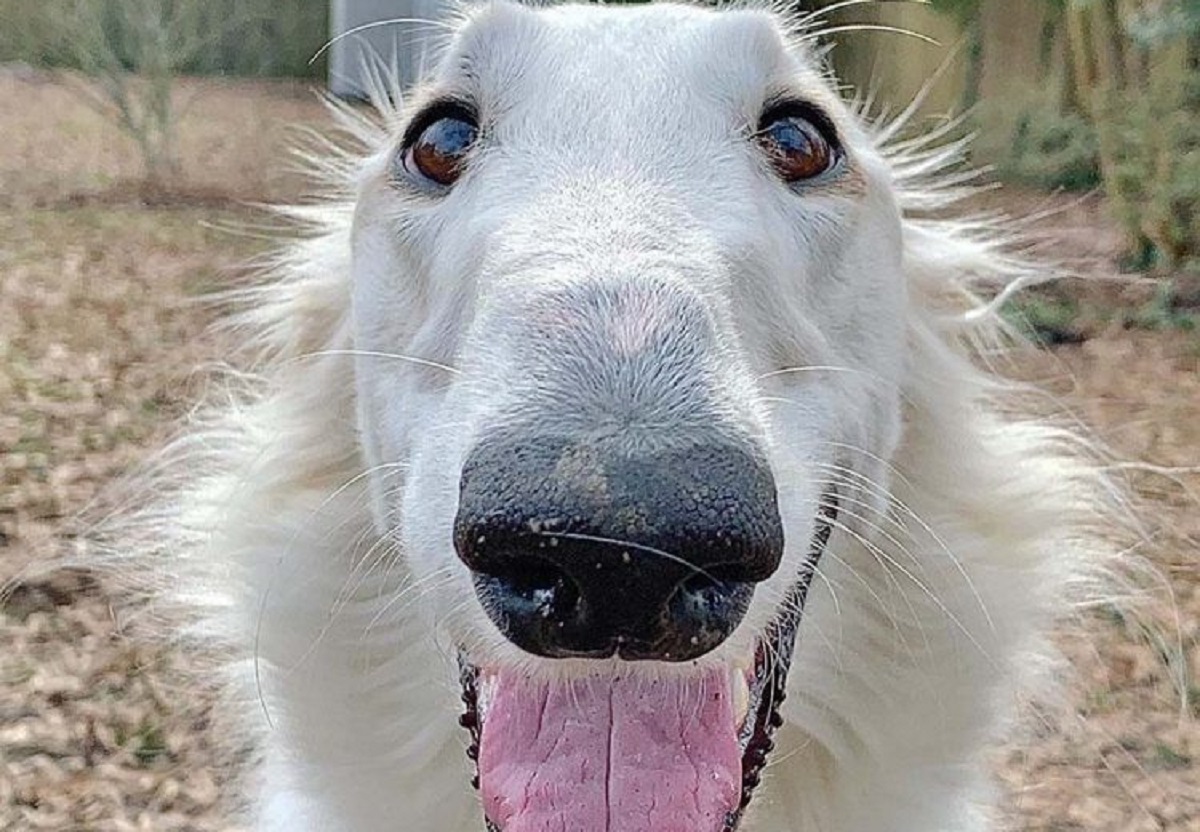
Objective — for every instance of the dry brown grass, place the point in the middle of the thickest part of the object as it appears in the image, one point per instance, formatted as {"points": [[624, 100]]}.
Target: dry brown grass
{"points": [[101, 330], [100, 333], [1128, 755]]}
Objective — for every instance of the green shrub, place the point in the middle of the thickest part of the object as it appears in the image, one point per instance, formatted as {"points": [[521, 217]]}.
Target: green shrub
{"points": [[1055, 150], [1154, 181], [1051, 149], [1028, 138], [1046, 319], [1164, 311]]}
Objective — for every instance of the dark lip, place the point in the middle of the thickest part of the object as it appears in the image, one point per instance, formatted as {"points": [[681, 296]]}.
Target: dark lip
{"points": [[772, 661]]}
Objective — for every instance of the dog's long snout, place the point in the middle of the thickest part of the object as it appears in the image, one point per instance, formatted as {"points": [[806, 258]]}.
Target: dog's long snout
{"points": [[581, 549]]}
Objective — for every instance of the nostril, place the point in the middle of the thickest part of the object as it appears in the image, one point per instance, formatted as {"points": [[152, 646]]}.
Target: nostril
{"points": [[532, 589], [711, 593], [705, 609]]}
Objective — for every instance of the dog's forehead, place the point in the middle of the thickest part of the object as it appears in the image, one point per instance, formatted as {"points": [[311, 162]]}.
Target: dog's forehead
{"points": [[642, 59]]}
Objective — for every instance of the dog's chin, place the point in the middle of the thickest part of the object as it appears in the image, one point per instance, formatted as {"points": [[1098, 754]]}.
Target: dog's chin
{"points": [[622, 748]]}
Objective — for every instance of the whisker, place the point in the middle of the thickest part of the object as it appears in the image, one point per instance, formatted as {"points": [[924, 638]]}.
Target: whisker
{"points": [[377, 554], [268, 591], [925, 527], [628, 544], [870, 27], [411, 359], [885, 560], [433, 23], [816, 368], [437, 579], [883, 606], [811, 19]]}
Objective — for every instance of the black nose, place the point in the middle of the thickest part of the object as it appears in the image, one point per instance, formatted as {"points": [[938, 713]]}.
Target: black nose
{"points": [[581, 549]]}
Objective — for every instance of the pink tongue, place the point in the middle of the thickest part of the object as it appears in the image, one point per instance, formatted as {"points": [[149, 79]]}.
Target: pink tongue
{"points": [[609, 754]]}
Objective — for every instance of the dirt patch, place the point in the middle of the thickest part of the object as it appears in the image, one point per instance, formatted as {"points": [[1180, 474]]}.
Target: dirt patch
{"points": [[101, 329]]}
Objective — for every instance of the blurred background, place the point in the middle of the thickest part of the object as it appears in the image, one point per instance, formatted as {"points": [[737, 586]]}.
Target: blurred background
{"points": [[139, 140]]}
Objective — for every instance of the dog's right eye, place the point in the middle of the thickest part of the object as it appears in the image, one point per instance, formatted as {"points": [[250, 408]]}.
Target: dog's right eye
{"points": [[798, 142], [437, 145]]}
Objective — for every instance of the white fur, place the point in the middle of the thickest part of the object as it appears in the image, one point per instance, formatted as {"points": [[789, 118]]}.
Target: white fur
{"points": [[302, 523]]}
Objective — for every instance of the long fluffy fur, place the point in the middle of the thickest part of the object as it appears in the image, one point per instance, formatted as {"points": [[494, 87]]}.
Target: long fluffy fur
{"points": [[996, 525]]}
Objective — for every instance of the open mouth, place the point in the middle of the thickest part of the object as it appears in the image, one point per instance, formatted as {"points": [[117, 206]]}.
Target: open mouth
{"points": [[629, 754]]}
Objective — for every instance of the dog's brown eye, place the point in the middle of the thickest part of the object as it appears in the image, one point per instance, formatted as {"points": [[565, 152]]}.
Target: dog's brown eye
{"points": [[440, 150], [797, 148]]}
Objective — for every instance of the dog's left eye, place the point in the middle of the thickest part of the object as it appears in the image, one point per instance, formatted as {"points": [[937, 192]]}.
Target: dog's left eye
{"points": [[797, 148], [437, 150]]}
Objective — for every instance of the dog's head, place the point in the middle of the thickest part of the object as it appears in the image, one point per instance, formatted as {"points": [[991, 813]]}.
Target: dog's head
{"points": [[660, 263]]}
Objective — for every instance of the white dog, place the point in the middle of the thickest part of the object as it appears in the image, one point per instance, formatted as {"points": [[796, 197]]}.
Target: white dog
{"points": [[618, 444]]}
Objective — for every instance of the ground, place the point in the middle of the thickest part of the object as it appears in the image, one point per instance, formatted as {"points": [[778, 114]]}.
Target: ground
{"points": [[102, 330]]}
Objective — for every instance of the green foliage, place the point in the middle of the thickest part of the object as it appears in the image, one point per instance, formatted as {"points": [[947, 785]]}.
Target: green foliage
{"points": [[1117, 106], [1164, 311], [1045, 319], [1169, 758], [1164, 23], [146, 741], [1055, 150], [1051, 317], [962, 10], [149, 744], [1030, 139], [1152, 141]]}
